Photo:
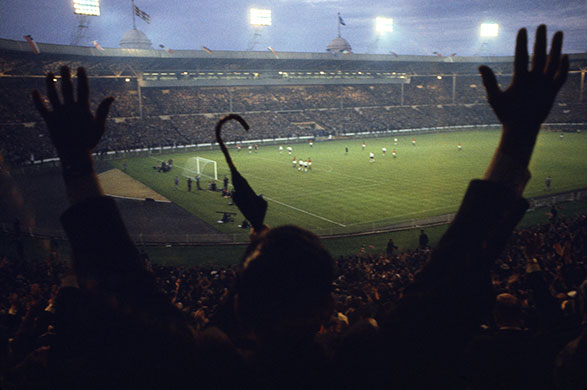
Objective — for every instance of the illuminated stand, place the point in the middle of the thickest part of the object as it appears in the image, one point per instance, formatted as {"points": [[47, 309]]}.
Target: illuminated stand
{"points": [[259, 19], [487, 31], [83, 9]]}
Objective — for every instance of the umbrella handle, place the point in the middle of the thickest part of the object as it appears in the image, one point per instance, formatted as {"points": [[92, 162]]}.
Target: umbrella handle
{"points": [[219, 125]]}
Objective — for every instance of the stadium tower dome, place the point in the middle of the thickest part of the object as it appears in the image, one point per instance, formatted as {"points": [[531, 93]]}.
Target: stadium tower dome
{"points": [[135, 39], [339, 45]]}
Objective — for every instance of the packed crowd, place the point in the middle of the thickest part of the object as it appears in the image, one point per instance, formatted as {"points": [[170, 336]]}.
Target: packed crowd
{"points": [[543, 267], [25, 142], [183, 116]]}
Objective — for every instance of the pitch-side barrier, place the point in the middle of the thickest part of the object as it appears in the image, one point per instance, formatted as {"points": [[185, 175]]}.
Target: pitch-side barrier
{"points": [[148, 238]]}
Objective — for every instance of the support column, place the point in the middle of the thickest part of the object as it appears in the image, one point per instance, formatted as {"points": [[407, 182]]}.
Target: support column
{"points": [[139, 94], [582, 87], [454, 88]]}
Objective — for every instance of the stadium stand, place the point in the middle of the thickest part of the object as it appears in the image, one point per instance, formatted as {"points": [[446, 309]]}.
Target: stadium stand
{"points": [[178, 106]]}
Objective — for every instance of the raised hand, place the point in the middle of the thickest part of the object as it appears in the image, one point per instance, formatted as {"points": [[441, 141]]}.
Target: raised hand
{"points": [[525, 104], [74, 130]]}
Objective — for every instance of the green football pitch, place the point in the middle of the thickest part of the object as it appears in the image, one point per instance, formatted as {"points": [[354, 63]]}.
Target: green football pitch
{"points": [[345, 192]]}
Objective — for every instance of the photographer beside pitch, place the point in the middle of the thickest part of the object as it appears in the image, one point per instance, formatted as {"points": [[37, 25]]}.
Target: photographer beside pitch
{"points": [[416, 347]]}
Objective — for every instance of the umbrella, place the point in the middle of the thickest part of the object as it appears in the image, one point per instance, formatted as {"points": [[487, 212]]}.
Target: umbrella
{"points": [[251, 205]]}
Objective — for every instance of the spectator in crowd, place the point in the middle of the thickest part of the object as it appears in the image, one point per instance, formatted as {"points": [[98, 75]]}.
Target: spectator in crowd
{"points": [[283, 298], [509, 354], [571, 361], [136, 337], [390, 248], [423, 239]]}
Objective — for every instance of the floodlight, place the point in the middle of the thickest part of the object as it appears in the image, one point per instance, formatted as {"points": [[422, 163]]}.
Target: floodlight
{"points": [[86, 7], [383, 25], [489, 29], [260, 17]]}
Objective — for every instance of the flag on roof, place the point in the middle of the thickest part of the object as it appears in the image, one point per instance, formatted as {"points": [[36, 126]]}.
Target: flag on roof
{"points": [[170, 51], [98, 45], [32, 44], [207, 50], [142, 14], [340, 20]]}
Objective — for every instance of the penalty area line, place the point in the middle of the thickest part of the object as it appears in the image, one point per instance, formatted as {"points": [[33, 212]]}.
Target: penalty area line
{"points": [[304, 211]]}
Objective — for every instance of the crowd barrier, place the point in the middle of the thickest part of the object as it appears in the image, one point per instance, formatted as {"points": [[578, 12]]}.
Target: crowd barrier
{"points": [[162, 238]]}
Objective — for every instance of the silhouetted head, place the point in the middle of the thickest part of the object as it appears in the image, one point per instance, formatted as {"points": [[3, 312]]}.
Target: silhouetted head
{"points": [[285, 283], [508, 311]]}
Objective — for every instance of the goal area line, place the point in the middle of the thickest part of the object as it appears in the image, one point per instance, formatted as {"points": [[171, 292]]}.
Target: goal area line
{"points": [[304, 211]]}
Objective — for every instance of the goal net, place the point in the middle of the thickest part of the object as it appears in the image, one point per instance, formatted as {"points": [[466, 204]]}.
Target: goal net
{"points": [[200, 166]]}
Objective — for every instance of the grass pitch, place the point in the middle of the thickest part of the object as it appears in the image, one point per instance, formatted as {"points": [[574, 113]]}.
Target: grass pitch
{"points": [[347, 193]]}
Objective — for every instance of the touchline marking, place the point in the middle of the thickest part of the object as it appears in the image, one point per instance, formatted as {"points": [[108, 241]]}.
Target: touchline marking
{"points": [[404, 215], [304, 211]]}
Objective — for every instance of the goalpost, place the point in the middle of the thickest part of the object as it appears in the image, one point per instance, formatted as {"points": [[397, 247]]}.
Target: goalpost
{"points": [[200, 166]]}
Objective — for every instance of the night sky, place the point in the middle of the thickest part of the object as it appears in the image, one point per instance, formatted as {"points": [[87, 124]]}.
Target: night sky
{"points": [[420, 26]]}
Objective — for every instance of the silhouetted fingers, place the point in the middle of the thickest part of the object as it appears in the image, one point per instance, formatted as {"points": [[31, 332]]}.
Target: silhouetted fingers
{"points": [[52, 91], [102, 114], [561, 75], [83, 90], [539, 55], [39, 104], [555, 54], [490, 82], [521, 58], [66, 85]]}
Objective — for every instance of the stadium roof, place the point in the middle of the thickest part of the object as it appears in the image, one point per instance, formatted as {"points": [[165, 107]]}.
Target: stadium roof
{"points": [[18, 59], [339, 45], [136, 39]]}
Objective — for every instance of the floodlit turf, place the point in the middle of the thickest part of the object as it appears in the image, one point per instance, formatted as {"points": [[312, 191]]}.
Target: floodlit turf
{"points": [[347, 193]]}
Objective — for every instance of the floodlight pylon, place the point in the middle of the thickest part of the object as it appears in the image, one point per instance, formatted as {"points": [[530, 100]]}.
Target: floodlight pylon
{"points": [[83, 9], [258, 19], [80, 32], [255, 38]]}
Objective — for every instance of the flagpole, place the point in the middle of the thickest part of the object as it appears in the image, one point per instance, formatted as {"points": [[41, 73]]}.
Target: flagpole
{"points": [[337, 22], [134, 25]]}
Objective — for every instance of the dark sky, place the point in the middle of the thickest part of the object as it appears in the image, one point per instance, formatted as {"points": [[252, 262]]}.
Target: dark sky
{"points": [[420, 26]]}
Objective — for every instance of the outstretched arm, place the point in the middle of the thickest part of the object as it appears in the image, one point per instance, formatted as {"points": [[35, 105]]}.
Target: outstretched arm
{"points": [[101, 246], [524, 105], [452, 294], [74, 131]]}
